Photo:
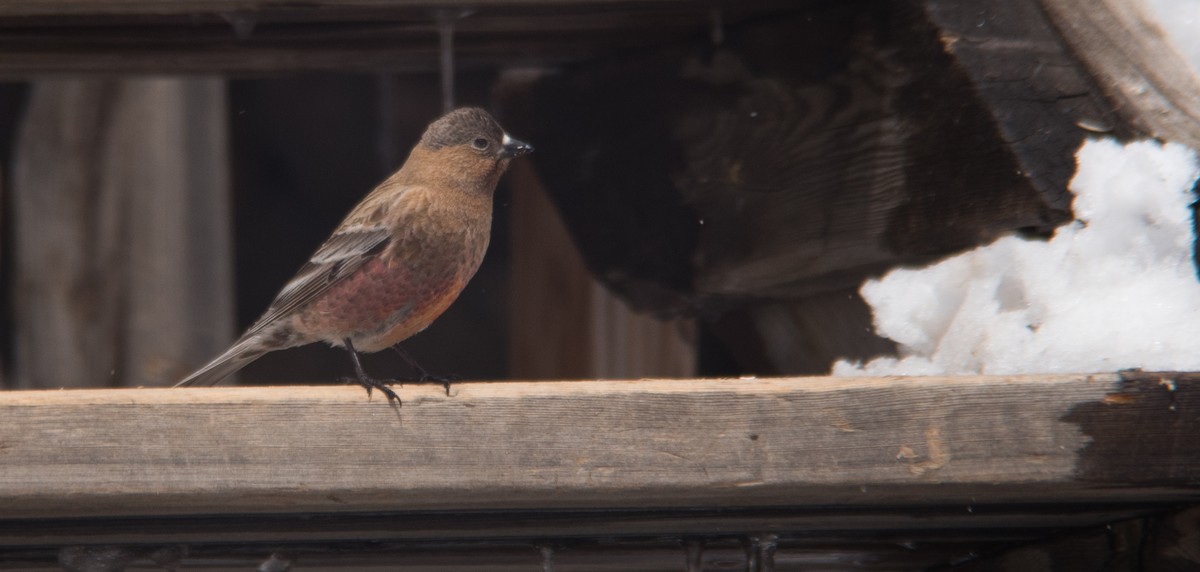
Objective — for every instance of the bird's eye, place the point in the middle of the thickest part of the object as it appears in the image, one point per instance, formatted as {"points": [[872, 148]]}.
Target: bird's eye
{"points": [[480, 143]]}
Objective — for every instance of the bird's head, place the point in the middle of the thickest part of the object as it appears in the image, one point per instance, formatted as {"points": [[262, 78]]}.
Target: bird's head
{"points": [[470, 143]]}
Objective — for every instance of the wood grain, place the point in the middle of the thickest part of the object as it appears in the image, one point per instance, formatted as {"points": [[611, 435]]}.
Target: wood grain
{"points": [[1040, 96], [758, 176], [120, 202], [1152, 86], [601, 444]]}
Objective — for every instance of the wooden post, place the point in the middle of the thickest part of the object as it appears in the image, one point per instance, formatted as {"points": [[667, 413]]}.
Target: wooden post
{"points": [[565, 324], [121, 215]]}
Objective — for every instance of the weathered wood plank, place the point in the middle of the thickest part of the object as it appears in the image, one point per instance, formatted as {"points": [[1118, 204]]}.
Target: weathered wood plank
{"points": [[551, 286], [120, 207], [170, 156], [1152, 86], [602, 444], [567, 325], [1039, 95], [66, 235]]}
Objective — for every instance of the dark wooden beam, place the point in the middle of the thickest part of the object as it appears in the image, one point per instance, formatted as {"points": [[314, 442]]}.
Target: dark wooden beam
{"points": [[59, 7], [876, 551], [800, 156], [269, 37], [928, 522]]}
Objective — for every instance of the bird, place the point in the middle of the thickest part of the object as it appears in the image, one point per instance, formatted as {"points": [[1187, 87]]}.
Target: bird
{"points": [[397, 260]]}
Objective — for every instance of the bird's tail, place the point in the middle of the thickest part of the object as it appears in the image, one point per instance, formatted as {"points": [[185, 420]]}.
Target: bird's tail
{"points": [[236, 357]]}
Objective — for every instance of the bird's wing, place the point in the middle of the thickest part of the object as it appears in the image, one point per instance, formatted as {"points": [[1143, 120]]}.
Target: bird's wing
{"points": [[347, 250], [339, 257]]}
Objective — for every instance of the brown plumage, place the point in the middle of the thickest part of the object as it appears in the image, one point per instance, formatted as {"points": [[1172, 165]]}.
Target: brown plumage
{"points": [[398, 260]]}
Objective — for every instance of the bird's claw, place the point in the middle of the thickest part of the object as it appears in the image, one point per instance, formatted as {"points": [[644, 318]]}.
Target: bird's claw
{"points": [[372, 384], [444, 380]]}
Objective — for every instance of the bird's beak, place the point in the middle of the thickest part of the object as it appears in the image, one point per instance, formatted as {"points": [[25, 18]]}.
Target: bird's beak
{"points": [[514, 148]]}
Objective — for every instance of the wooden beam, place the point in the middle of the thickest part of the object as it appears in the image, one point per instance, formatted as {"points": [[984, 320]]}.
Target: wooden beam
{"points": [[1132, 59], [214, 49], [1003, 523], [63, 7], [876, 552], [1036, 91], [962, 441], [248, 37]]}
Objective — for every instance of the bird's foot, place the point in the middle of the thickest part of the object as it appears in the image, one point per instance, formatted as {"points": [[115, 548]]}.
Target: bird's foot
{"points": [[444, 380], [372, 384], [424, 376]]}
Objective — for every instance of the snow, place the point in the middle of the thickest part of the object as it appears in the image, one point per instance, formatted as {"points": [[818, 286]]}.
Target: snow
{"points": [[1116, 289]]}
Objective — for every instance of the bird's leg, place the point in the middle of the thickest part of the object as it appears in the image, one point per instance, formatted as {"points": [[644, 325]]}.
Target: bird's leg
{"points": [[365, 380], [425, 375]]}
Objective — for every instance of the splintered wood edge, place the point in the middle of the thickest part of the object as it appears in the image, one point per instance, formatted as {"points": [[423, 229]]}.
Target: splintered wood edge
{"points": [[618, 444]]}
